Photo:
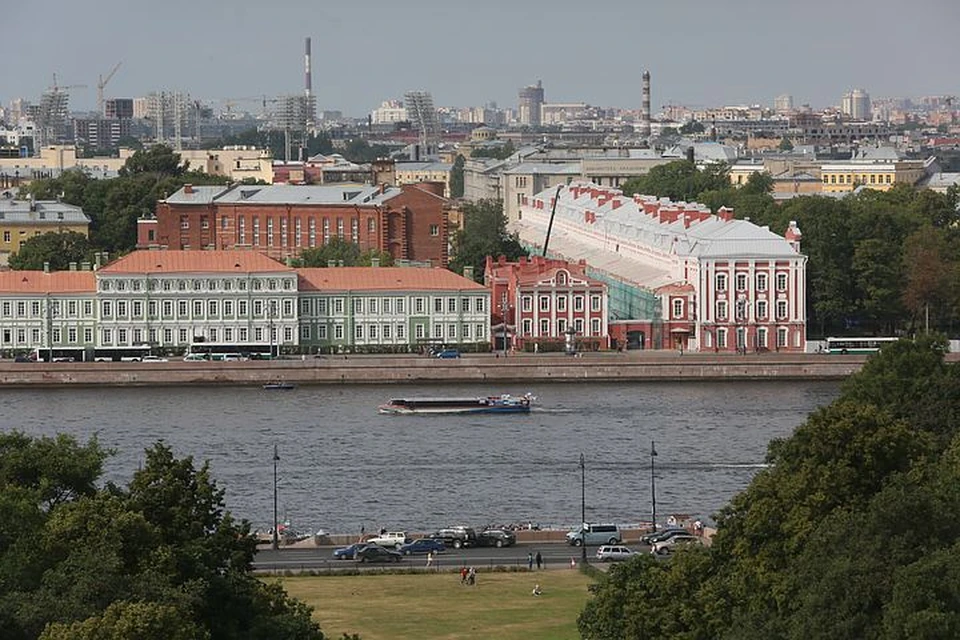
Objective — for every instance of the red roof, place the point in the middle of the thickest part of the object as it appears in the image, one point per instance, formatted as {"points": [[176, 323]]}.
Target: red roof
{"points": [[40, 282], [384, 279], [242, 261]]}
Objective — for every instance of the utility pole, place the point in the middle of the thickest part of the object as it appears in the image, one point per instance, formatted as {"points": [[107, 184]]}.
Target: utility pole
{"points": [[276, 534], [583, 507], [653, 484]]}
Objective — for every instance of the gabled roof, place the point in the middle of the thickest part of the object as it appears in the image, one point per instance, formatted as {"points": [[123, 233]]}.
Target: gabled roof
{"points": [[199, 195], [384, 279], [240, 261], [41, 212], [40, 282]]}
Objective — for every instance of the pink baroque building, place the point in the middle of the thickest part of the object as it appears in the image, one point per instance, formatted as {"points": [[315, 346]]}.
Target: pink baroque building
{"points": [[680, 277], [544, 304]]}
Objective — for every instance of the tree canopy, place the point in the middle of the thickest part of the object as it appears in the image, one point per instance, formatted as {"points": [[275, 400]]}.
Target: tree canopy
{"points": [[158, 559], [851, 532], [484, 234], [340, 251], [57, 250]]}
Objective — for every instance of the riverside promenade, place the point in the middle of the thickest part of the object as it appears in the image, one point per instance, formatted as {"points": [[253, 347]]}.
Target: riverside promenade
{"points": [[637, 366]]}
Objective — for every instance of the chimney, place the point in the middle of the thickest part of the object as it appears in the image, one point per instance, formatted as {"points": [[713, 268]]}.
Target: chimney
{"points": [[46, 267], [188, 188], [725, 214], [96, 261], [306, 67], [374, 261], [331, 263], [645, 106], [85, 265], [468, 272], [73, 266], [793, 235]]}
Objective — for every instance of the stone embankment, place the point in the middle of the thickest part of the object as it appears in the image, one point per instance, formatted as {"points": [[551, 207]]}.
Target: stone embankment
{"points": [[597, 367]]}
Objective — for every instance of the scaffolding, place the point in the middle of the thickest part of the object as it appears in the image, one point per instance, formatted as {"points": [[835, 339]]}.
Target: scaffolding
{"points": [[423, 116]]}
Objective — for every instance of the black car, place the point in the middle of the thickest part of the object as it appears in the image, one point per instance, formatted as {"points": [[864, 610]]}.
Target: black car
{"points": [[376, 553], [496, 538], [456, 537], [661, 534]]}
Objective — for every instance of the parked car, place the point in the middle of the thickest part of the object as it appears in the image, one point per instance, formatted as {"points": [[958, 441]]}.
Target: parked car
{"points": [[153, 359], [195, 357], [395, 539], [447, 353], [594, 534], [348, 552], [496, 538], [456, 537], [670, 544], [376, 553], [423, 545], [614, 553], [661, 534]]}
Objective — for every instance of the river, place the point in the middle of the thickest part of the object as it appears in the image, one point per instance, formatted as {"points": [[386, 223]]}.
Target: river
{"points": [[343, 466]]}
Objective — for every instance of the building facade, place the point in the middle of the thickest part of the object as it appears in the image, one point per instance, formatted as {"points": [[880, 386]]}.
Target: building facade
{"points": [[173, 301], [722, 284], [410, 222], [548, 305], [21, 220]]}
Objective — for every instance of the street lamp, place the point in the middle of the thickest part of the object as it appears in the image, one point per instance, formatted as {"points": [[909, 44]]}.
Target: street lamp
{"points": [[653, 484], [276, 537], [583, 508], [504, 308]]}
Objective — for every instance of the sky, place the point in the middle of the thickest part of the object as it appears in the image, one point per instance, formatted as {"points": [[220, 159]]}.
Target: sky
{"points": [[699, 52]]}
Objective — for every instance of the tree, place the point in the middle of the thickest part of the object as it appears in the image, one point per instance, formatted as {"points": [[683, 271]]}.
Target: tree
{"points": [[56, 250], [484, 234], [785, 144], [679, 180], [930, 269], [158, 159], [335, 251], [498, 152], [691, 127], [456, 178], [124, 620]]}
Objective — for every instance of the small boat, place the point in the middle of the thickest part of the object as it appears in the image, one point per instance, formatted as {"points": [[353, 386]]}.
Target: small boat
{"points": [[504, 403], [279, 386]]}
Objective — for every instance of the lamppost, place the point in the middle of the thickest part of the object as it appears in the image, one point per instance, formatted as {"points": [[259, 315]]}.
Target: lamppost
{"points": [[583, 507], [653, 485], [504, 308], [276, 536]]}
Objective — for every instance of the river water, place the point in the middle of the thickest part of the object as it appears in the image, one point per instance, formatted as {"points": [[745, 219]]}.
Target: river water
{"points": [[343, 466]]}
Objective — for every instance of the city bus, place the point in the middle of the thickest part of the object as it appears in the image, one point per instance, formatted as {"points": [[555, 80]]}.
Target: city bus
{"points": [[230, 351], [121, 354], [857, 345], [58, 354]]}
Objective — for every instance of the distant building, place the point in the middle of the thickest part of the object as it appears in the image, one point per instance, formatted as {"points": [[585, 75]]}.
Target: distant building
{"points": [[855, 105], [100, 133], [783, 104], [418, 172], [540, 304], [21, 220], [389, 112], [121, 108], [530, 105]]}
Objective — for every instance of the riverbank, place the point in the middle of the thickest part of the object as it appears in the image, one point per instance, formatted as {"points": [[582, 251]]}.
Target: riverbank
{"points": [[334, 370]]}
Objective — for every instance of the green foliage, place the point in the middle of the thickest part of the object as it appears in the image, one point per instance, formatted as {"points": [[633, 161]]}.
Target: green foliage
{"points": [[159, 559], [680, 180], [850, 533], [360, 151], [484, 234], [785, 144], [691, 127], [500, 153], [456, 178], [158, 159], [58, 250]]}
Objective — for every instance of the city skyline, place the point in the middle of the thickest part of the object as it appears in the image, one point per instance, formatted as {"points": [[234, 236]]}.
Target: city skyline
{"points": [[699, 54]]}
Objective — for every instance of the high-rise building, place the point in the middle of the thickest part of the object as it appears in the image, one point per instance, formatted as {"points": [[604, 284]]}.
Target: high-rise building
{"points": [[422, 114], [531, 105], [118, 108], [856, 105], [783, 103]]}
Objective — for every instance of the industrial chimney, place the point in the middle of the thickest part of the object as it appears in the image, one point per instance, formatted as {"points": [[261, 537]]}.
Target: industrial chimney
{"points": [[645, 115], [306, 62]]}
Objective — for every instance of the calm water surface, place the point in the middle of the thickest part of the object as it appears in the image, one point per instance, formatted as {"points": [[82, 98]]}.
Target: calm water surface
{"points": [[343, 465]]}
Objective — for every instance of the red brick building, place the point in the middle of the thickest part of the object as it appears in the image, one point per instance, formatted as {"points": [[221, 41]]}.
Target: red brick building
{"points": [[409, 222], [539, 303]]}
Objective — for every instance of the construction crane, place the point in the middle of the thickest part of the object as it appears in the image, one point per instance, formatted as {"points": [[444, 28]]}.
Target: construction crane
{"points": [[59, 88], [103, 83]]}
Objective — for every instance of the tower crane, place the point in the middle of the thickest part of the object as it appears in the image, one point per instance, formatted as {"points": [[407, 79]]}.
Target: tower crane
{"points": [[103, 83], [60, 88]]}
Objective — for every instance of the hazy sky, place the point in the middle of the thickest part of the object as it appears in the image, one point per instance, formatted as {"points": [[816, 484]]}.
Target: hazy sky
{"points": [[699, 52]]}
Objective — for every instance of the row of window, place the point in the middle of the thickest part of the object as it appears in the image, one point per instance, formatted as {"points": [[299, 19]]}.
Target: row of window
{"points": [[197, 284], [865, 178], [741, 279], [7, 239], [21, 307], [372, 332], [184, 336], [200, 309], [543, 303], [393, 306], [546, 327], [740, 307], [272, 227], [741, 337]]}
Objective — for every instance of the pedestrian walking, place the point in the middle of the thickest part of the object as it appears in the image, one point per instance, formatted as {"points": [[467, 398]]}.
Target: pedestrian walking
{"points": [[463, 575], [429, 559], [471, 577], [539, 560], [530, 561]]}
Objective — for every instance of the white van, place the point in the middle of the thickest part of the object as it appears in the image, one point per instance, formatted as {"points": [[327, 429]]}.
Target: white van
{"points": [[594, 534]]}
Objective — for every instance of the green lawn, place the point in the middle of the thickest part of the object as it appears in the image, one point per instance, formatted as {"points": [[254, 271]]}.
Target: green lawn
{"points": [[427, 606]]}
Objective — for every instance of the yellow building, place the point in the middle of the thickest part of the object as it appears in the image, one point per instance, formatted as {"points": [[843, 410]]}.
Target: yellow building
{"points": [[846, 176], [21, 220], [417, 172]]}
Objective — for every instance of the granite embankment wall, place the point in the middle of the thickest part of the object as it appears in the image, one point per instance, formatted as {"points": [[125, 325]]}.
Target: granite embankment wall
{"points": [[601, 367]]}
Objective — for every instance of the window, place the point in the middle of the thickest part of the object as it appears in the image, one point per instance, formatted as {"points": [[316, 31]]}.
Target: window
{"points": [[55, 336], [401, 331], [721, 338], [182, 308], [451, 331], [228, 308], [121, 309], [761, 309], [418, 305], [288, 334], [438, 305], [338, 306], [322, 307], [228, 334], [212, 308], [183, 337], [544, 302], [372, 305], [106, 336], [322, 332], [87, 309], [242, 308], [338, 332], [781, 282], [137, 306], [434, 230], [198, 308], [72, 335], [578, 303], [451, 305], [258, 334], [358, 305], [781, 309], [437, 330], [258, 308], [385, 306], [167, 308], [371, 226], [761, 282], [479, 305], [561, 326], [401, 306], [106, 309], [478, 332], [35, 308], [762, 338], [781, 337], [7, 309], [677, 307], [385, 330], [721, 309], [242, 334], [594, 303], [167, 336], [6, 237], [358, 332], [721, 282], [561, 303], [595, 326], [526, 303], [465, 331], [741, 282], [527, 326], [544, 327], [419, 331]]}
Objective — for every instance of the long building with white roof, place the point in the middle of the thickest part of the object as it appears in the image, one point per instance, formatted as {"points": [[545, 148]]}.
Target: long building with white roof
{"points": [[680, 276]]}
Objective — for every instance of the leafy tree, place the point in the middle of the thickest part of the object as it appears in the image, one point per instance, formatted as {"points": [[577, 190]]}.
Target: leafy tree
{"points": [[484, 234], [691, 127], [158, 159], [785, 144], [456, 178], [930, 271], [335, 251], [500, 153], [58, 250], [679, 180], [125, 620]]}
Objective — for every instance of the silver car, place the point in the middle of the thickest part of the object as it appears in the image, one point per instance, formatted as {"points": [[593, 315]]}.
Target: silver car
{"points": [[614, 553]]}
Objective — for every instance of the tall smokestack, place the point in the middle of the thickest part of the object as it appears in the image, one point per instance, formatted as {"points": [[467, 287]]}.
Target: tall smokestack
{"points": [[645, 116], [306, 63]]}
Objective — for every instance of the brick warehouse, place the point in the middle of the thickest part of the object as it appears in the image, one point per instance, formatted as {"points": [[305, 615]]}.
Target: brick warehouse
{"points": [[409, 222]]}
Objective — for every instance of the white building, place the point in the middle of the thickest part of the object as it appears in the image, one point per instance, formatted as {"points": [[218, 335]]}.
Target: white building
{"points": [[388, 112]]}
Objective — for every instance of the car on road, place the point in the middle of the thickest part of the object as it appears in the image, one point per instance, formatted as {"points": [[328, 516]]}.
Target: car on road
{"points": [[614, 553], [154, 359], [195, 357], [672, 544], [447, 353], [664, 534], [496, 538], [456, 537], [589, 533], [423, 545], [376, 553], [349, 552], [394, 539]]}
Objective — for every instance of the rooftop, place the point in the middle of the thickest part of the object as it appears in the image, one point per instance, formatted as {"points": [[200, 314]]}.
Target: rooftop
{"points": [[286, 194], [240, 261], [41, 282], [41, 212], [384, 279]]}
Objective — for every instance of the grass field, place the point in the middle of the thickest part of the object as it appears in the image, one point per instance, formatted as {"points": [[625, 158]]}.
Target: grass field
{"points": [[429, 606]]}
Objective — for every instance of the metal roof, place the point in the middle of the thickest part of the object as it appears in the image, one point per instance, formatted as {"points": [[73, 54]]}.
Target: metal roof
{"points": [[41, 212], [287, 194]]}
